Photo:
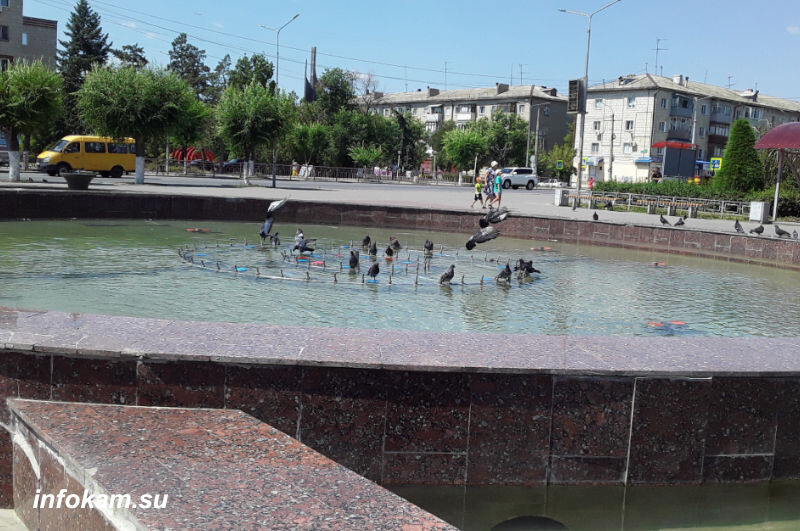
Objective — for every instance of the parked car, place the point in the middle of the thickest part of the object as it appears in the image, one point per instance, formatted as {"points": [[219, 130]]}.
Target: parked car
{"points": [[516, 177], [552, 183], [231, 166]]}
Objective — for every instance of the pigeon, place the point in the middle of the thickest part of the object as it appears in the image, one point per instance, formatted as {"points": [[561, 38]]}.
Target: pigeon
{"points": [[504, 275], [679, 222], [394, 243], [757, 230], [525, 268], [428, 247], [299, 236], [274, 240], [266, 227], [483, 235], [780, 232], [738, 227], [374, 270], [794, 234], [595, 216], [493, 216], [373, 249], [447, 276], [365, 241], [389, 252], [353, 260], [663, 220], [303, 246]]}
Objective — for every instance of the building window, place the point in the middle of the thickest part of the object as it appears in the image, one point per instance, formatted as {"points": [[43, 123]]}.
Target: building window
{"points": [[521, 109], [702, 132], [24, 39], [596, 126], [595, 147], [414, 112], [494, 108], [3, 65], [627, 147], [659, 151], [598, 103], [663, 103], [662, 126], [386, 112], [631, 102], [483, 109], [629, 125], [703, 109], [3, 3], [3, 33], [546, 110]]}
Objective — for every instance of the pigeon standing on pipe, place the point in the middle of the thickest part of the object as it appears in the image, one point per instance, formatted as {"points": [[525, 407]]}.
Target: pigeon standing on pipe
{"points": [[447, 276], [504, 275], [266, 227], [428, 247], [353, 261], [373, 249], [374, 270], [365, 241]]}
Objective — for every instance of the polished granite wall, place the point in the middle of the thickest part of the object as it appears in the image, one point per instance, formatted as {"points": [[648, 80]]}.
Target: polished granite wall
{"points": [[15, 204], [465, 427]]}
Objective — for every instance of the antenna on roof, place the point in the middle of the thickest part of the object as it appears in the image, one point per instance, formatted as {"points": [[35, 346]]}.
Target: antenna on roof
{"points": [[730, 83], [658, 49]]}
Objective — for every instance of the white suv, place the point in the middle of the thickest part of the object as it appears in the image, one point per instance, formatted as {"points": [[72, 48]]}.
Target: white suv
{"points": [[516, 177]]}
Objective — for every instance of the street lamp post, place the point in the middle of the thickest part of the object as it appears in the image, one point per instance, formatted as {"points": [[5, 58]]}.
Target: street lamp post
{"points": [[536, 137], [277, 84], [585, 84]]}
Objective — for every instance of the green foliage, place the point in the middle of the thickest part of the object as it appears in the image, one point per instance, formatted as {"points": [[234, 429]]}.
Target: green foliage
{"points": [[86, 46], [788, 199], [254, 69], [188, 62], [666, 188], [335, 92], [131, 55], [365, 156], [741, 169], [354, 128], [564, 152], [218, 80], [308, 142], [252, 117], [193, 125], [507, 138], [411, 143], [461, 146], [143, 104]]}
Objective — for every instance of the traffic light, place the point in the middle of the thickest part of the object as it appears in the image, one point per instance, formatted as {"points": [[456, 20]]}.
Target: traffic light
{"points": [[576, 102]]}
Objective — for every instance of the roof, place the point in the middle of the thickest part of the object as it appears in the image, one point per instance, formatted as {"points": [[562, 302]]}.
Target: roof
{"points": [[694, 88], [514, 92], [41, 22], [786, 136]]}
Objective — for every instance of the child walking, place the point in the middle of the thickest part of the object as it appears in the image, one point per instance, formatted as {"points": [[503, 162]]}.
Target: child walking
{"points": [[478, 194]]}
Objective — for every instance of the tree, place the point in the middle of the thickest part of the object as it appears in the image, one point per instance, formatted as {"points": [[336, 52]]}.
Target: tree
{"points": [[462, 146], [30, 99], [352, 128], [411, 143], [565, 153], [188, 62], [436, 142], [307, 142], [144, 104], [218, 80], [255, 69], [335, 92], [741, 169], [365, 156], [507, 136], [191, 127], [86, 46], [131, 55], [252, 117]]}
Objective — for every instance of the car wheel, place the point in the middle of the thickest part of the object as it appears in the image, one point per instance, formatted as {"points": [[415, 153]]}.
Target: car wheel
{"points": [[105, 174], [506, 184], [530, 185], [116, 172], [63, 168]]}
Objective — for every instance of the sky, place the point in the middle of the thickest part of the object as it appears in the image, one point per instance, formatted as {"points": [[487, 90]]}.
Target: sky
{"points": [[450, 44]]}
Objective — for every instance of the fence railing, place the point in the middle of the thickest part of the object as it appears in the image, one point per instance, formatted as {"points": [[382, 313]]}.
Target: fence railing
{"points": [[688, 204]]}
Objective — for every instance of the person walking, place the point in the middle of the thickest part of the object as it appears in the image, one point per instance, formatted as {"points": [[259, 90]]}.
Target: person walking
{"points": [[478, 195], [498, 185], [488, 181]]}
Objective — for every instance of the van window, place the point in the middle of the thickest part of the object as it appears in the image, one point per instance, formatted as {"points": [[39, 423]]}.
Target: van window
{"points": [[524, 171], [73, 147], [94, 147], [132, 148], [117, 147]]}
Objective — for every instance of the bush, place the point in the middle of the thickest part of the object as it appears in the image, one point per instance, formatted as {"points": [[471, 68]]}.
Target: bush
{"points": [[667, 188], [788, 200]]}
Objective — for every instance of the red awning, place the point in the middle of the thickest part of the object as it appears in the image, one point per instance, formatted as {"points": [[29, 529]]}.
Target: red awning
{"points": [[673, 144], [786, 136]]}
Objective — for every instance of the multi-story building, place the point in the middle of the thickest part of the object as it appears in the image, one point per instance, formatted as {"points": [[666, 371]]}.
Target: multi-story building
{"points": [[532, 103], [639, 123], [24, 37]]}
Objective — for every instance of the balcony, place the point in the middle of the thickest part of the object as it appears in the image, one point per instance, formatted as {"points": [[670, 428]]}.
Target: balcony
{"points": [[433, 117], [680, 133], [718, 140], [684, 112], [465, 116], [720, 117]]}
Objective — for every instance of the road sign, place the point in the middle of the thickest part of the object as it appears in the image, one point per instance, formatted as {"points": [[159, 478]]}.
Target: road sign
{"points": [[583, 162], [716, 163], [559, 164]]}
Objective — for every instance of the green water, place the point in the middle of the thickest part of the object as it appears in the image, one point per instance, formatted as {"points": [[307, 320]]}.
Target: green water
{"points": [[761, 506], [129, 267]]}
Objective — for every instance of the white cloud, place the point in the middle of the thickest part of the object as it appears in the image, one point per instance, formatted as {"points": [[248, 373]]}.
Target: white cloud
{"points": [[794, 30], [217, 24], [129, 24], [151, 36]]}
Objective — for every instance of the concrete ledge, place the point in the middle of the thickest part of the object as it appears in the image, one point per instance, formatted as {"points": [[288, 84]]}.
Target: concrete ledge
{"points": [[199, 468]]}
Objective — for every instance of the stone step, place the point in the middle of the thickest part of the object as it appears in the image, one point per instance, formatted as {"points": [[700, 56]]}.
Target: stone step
{"points": [[210, 468]]}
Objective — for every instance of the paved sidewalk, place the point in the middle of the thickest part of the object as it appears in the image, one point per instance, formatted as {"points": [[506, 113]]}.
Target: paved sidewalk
{"points": [[539, 202]]}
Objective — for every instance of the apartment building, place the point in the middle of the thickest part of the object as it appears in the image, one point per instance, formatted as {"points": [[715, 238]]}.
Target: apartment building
{"points": [[24, 37], [433, 107], [639, 123]]}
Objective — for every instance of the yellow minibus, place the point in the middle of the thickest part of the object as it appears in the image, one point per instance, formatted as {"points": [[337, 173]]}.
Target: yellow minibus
{"points": [[107, 156]]}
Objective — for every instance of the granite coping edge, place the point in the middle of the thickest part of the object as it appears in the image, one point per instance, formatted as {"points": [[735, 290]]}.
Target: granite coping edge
{"points": [[108, 337]]}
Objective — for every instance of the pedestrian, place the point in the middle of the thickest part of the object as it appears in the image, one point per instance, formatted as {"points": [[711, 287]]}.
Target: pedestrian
{"points": [[478, 195], [498, 185], [488, 189], [591, 183]]}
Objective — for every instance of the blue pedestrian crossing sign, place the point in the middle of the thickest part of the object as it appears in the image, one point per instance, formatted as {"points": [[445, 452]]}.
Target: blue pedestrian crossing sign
{"points": [[716, 163], [559, 164], [583, 162]]}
